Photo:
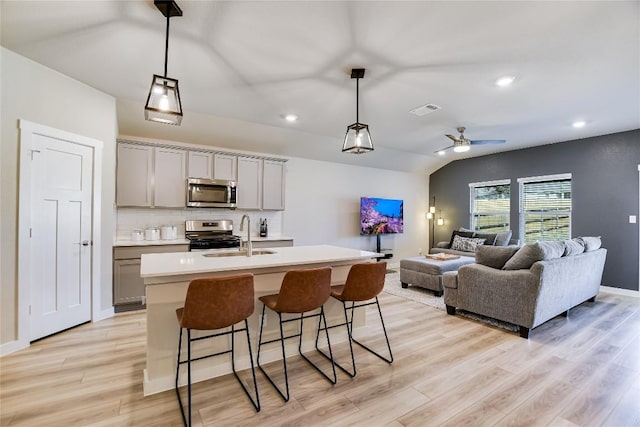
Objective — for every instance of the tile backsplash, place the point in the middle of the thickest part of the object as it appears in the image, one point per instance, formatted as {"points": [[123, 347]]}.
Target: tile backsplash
{"points": [[129, 219]]}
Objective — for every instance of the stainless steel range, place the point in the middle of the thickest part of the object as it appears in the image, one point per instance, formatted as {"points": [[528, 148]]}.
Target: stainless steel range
{"points": [[211, 234]]}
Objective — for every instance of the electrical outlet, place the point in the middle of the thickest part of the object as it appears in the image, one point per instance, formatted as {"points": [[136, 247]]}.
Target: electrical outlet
{"points": [[419, 251], [632, 219]]}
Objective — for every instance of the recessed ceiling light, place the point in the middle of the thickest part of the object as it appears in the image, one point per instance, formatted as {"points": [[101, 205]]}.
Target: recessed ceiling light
{"points": [[579, 124], [505, 81], [441, 153], [291, 118]]}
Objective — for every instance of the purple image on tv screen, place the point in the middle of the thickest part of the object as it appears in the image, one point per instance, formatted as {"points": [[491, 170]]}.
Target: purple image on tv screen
{"points": [[380, 216]]}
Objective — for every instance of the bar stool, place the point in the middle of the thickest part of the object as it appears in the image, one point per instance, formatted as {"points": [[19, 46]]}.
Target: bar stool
{"points": [[302, 291], [210, 304], [364, 282]]}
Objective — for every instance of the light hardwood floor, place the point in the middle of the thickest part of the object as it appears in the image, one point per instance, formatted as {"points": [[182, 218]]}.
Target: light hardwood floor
{"points": [[583, 370]]}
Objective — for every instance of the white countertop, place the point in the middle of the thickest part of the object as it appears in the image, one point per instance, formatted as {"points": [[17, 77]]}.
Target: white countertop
{"points": [[129, 242], [185, 263]]}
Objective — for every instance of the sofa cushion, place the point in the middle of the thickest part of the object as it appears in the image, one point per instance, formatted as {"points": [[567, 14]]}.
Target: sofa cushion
{"points": [[489, 239], [461, 234], [573, 247], [551, 249], [494, 256], [466, 244], [591, 243], [502, 239], [524, 257]]}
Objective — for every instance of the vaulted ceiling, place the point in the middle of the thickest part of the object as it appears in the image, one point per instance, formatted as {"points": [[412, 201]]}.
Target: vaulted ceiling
{"points": [[243, 65]]}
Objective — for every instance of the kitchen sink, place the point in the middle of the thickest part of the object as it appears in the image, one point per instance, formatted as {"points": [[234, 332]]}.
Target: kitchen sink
{"points": [[240, 253]]}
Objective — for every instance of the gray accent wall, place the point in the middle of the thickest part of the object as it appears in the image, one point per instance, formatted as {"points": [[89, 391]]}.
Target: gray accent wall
{"points": [[604, 192]]}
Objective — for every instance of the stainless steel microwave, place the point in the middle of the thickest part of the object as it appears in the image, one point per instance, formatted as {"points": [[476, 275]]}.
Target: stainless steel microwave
{"points": [[211, 193]]}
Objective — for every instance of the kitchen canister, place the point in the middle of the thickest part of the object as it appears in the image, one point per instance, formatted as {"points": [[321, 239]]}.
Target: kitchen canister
{"points": [[152, 233], [137, 235], [169, 232]]}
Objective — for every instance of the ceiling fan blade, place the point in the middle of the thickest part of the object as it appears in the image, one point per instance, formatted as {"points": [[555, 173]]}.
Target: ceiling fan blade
{"points": [[453, 138], [443, 149], [487, 141]]}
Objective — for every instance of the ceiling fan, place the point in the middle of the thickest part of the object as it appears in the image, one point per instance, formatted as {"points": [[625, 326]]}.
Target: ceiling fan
{"points": [[462, 144]]}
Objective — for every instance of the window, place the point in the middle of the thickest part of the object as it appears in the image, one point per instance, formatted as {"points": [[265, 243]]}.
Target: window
{"points": [[490, 202], [545, 207]]}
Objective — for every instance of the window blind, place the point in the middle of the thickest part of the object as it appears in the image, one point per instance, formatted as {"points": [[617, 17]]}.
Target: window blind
{"points": [[490, 207], [545, 210]]}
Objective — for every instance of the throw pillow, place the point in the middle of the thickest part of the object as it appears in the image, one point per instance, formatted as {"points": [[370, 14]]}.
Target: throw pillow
{"points": [[591, 243], [524, 258], [461, 234], [573, 247], [489, 239], [551, 249], [494, 256], [466, 244], [502, 239]]}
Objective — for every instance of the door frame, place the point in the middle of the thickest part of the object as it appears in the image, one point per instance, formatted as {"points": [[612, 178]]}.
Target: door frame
{"points": [[27, 131]]}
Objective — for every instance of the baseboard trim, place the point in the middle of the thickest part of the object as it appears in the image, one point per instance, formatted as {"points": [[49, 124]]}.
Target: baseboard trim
{"points": [[104, 314], [12, 346], [620, 291]]}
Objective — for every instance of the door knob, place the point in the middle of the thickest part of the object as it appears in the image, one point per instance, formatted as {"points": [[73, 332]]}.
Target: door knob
{"points": [[85, 243]]}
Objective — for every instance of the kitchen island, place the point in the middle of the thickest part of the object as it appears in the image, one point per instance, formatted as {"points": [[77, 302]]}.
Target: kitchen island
{"points": [[167, 276]]}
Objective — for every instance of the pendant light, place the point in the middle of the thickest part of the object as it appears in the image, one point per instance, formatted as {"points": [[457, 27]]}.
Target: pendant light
{"points": [[163, 102], [357, 140]]}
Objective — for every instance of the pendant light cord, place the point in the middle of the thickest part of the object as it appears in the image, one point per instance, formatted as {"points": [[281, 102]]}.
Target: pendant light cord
{"points": [[166, 46], [357, 100]]}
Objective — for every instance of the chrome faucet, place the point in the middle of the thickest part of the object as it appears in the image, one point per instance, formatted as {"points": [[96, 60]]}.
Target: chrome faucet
{"points": [[249, 247]]}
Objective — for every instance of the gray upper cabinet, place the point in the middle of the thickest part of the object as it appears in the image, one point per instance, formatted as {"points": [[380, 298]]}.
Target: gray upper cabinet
{"points": [[170, 167], [225, 167], [273, 185], [134, 175], [151, 176], [249, 186], [200, 165]]}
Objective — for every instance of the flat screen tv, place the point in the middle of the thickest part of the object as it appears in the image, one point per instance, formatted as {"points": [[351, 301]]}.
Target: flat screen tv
{"points": [[380, 216]]}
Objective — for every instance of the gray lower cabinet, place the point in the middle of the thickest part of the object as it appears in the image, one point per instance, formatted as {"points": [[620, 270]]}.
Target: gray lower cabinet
{"points": [[271, 243], [128, 286]]}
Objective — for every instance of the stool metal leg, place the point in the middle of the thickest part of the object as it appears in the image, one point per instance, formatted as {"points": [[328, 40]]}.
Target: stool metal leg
{"points": [[184, 419], [346, 323], [284, 358], [330, 357], [388, 360], [256, 402]]}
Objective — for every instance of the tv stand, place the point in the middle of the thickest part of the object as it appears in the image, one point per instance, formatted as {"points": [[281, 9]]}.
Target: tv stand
{"points": [[387, 253]]}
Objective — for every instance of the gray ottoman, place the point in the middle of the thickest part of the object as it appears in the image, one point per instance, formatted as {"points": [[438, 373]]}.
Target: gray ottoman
{"points": [[427, 273]]}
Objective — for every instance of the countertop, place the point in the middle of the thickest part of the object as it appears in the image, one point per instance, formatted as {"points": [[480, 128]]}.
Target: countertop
{"points": [[185, 263], [128, 242]]}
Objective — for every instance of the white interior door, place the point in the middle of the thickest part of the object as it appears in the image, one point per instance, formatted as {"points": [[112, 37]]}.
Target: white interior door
{"points": [[61, 195]]}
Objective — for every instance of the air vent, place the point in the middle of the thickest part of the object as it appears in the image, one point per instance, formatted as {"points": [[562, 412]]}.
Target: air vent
{"points": [[424, 109]]}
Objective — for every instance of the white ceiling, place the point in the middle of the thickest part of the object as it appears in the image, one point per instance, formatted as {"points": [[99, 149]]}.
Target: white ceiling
{"points": [[243, 65]]}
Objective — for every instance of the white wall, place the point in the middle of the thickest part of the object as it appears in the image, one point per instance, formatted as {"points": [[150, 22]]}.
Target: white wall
{"points": [[323, 205], [33, 92]]}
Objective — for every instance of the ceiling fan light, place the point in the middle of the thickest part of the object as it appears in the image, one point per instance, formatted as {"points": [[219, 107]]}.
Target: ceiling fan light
{"points": [[461, 148], [505, 81]]}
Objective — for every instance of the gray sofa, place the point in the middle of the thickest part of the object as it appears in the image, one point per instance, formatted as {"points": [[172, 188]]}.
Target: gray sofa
{"points": [[497, 239], [503, 287]]}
